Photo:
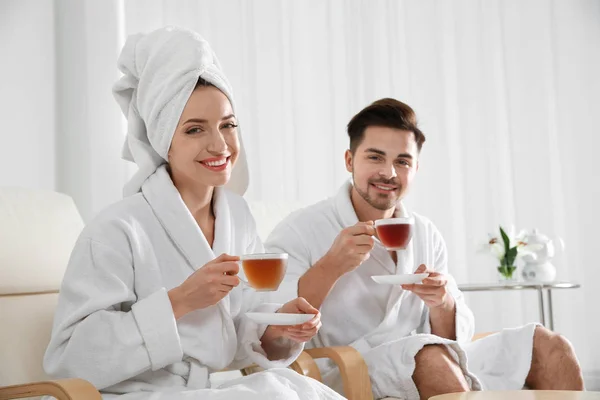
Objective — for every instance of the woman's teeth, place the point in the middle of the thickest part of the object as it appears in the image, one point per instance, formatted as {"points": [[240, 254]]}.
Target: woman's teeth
{"points": [[215, 163]]}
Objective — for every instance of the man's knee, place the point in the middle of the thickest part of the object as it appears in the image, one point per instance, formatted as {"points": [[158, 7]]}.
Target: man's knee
{"points": [[548, 344], [433, 353], [436, 361], [554, 365]]}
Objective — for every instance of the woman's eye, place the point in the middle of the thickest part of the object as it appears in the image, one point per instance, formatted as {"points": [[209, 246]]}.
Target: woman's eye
{"points": [[193, 130], [229, 125]]}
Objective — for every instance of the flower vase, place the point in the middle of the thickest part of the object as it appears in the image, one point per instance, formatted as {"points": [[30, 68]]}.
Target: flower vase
{"points": [[507, 273]]}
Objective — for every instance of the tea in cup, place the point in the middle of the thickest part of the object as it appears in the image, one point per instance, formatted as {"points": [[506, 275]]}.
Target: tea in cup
{"points": [[395, 233], [264, 271]]}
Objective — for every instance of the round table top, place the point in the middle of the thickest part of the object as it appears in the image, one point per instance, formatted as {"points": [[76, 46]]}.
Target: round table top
{"points": [[520, 395], [472, 287]]}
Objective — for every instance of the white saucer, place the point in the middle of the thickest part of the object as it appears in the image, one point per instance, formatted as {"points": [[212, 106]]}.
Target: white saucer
{"points": [[402, 279], [279, 318]]}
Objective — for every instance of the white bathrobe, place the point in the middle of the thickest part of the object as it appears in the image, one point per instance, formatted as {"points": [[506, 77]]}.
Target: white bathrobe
{"points": [[114, 325], [385, 323]]}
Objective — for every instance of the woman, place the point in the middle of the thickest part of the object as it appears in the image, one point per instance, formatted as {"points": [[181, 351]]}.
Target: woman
{"points": [[151, 304]]}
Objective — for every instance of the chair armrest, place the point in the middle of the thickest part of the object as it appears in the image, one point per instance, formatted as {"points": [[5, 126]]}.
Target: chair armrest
{"points": [[63, 389], [355, 375], [478, 336], [306, 366]]}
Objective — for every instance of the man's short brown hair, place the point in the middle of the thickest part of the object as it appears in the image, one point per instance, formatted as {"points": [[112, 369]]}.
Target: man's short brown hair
{"points": [[389, 113]]}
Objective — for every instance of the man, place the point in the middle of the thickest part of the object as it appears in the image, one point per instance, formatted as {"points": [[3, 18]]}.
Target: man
{"points": [[415, 338]]}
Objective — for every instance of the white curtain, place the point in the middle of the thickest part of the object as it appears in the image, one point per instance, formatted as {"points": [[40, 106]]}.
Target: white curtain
{"points": [[506, 92], [90, 129]]}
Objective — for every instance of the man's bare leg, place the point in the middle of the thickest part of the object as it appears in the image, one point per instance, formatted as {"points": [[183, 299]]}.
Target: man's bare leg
{"points": [[436, 372], [554, 365]]}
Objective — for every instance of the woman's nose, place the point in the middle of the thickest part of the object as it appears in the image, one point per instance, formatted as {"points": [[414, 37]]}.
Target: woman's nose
{"points": [[217, 144]]}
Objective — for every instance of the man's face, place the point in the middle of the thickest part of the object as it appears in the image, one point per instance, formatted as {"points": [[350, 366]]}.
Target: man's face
{"points": [[383, 165]]}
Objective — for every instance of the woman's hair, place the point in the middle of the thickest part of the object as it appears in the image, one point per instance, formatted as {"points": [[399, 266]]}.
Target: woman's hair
{"points": [[203, 82]]}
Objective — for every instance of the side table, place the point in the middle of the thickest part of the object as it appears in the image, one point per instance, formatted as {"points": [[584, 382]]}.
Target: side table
{"points": [[539, 286]]}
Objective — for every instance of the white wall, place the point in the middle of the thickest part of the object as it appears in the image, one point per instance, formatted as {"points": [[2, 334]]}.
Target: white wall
{"points": [[27, 90]]}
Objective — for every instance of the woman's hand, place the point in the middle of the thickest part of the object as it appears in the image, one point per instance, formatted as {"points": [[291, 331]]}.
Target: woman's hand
{"points": [[207, 286], [297, 333]]}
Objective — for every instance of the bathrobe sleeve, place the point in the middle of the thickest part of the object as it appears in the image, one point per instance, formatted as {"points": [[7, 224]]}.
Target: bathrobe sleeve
{"points": [[465, 321], [102, 332], [249, 333]]}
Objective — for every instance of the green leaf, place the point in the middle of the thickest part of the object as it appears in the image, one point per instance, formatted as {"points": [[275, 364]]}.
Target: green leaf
{"points": [[507, 272], [505, 239], [510, 256]]}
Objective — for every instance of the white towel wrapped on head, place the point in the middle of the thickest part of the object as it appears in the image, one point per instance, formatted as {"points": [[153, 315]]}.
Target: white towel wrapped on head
{"points": [[161, 70]]}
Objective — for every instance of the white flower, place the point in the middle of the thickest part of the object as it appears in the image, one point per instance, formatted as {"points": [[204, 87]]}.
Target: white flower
{"points": [[524, 248], [495, 245]]}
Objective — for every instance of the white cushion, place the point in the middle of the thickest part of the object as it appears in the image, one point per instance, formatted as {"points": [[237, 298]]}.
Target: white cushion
{"points": [[24, 335], [38, 229], [37, 232]]}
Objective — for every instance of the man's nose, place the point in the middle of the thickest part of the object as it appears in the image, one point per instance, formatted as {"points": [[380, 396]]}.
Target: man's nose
{"points": [[388, 171]]}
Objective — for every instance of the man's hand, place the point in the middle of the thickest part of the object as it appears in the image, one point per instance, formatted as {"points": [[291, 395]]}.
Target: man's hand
{"points": [[432, 290], [442, 308], [350, 248]]}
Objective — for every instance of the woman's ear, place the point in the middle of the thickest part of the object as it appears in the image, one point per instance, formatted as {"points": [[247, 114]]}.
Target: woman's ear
{"points": [[169, 154]]}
